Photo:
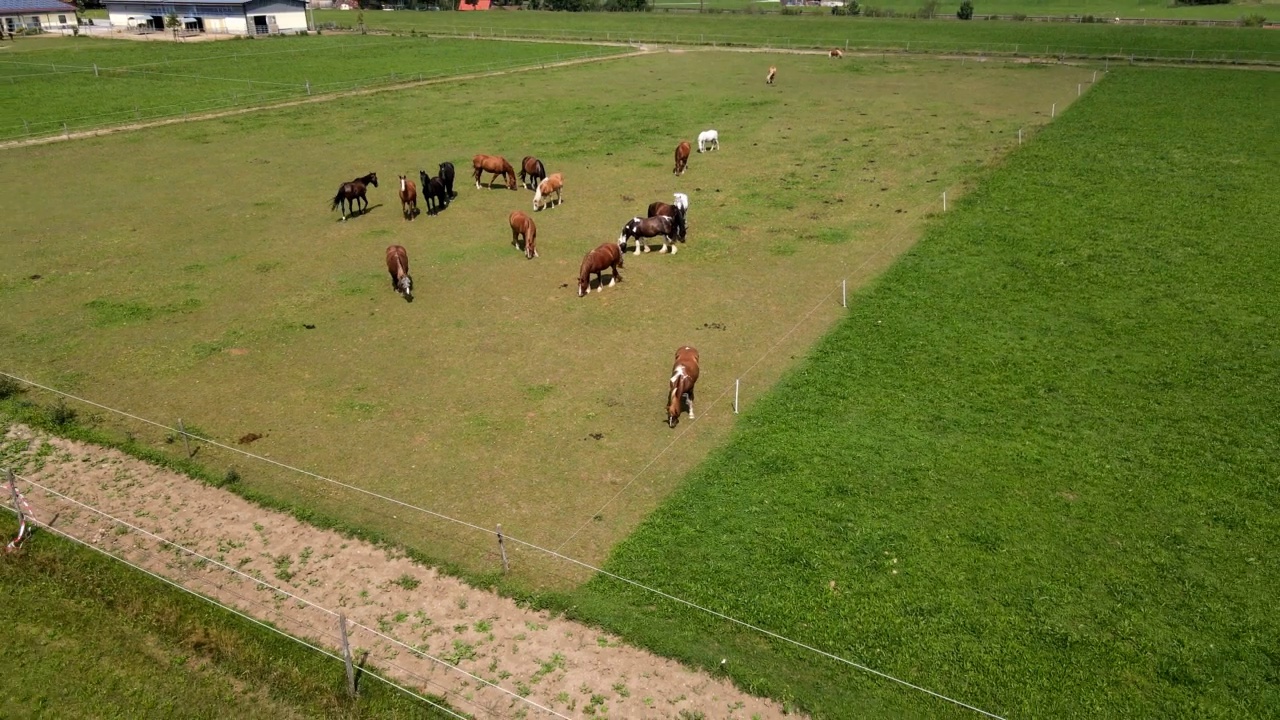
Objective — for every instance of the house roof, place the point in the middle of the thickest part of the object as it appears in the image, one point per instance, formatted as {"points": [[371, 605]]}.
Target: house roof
{"points": [[12, 7]]}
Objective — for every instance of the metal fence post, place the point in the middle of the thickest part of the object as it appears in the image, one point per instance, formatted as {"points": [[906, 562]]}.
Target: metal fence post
{"points": [[185, 442], [502, 548], [346, 655]]}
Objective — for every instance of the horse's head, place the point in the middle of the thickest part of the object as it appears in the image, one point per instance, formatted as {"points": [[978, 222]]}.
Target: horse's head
{"points": [[673, 404], [424, 178], [373, 179], [511, 178], [404, 286], [584, 281]]}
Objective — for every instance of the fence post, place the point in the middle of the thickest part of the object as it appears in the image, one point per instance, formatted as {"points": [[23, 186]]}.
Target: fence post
{"points": [[1053, 112], [95, 69], [944, 201], [844, 293], [1019, 136], [346, 654], [308, 87], [1078, 86], [26, 128], [502, 548], [736, 383], [65, 131], [18, 504], [1095, 76], [185, 442]]}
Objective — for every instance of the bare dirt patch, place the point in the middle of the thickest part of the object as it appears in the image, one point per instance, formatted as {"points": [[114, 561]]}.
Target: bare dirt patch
{"points": [[277, 569]]}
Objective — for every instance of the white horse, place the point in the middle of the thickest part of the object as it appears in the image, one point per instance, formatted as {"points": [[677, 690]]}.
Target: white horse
{"points": [[709, 138]]}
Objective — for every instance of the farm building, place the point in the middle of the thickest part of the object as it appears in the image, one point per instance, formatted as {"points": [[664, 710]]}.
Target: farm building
{"points": [[235, 17], [35, 15]]}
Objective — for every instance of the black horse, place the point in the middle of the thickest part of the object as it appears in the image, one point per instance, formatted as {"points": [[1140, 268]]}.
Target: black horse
{"points": [[446, 176], [434, 192], [353, 193]]}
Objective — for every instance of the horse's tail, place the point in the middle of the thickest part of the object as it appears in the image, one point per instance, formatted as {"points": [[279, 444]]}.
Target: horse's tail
{"points": [[542, 171], [337, 200]]}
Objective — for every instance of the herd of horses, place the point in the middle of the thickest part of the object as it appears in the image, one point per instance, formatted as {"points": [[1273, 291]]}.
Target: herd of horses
{"points": [[664, 220]]}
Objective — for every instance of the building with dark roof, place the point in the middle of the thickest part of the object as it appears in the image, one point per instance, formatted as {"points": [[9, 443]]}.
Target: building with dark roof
{"points": [[35, 15]]}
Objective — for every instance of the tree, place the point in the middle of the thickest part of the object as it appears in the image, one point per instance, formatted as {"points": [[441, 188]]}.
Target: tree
{"points": [[172, 22], [966, 10]]}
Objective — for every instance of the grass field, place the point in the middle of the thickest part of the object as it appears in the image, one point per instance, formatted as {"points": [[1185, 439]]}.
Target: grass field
{"points": [[1024, 38], [1035, 467], [87, 82], [169, 655], [1161, 9], [183, 286]]}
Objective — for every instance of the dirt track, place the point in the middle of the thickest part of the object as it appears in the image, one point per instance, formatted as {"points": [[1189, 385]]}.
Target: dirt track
{"points": [[277, 569]]}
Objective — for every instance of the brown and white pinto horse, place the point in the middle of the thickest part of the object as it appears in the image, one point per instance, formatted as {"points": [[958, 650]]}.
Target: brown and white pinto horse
{"points": [[773, 72], [606, 256], [408, 198], [532, 172], [684, 375], [552, 184], [353, 193], [522, 225], [398, 268], [835, 54], [670, 228], [495, 164], [682, 157]]}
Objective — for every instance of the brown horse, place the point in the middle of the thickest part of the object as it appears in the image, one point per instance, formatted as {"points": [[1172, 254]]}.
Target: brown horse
{"points": [[398, 267], [495, 164], [773, 72], [353, 193], [670, 228], [522, 225], [606, 256], [408, 198], [552, 184], [532, 168], [684, 375], [661, 208], [835, 54], [682, 157]]}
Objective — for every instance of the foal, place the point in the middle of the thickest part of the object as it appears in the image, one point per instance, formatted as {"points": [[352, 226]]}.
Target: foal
{"points": [[398, 268], [408, 198], [682, 157], [522, 224], [684, 374], [552, 184]]}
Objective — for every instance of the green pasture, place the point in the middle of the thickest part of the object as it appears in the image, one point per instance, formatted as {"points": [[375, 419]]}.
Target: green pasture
{"points": [[89, 82], [1128, 9], [181, 283], [91, 638], [862, 34], [1035, 466]]}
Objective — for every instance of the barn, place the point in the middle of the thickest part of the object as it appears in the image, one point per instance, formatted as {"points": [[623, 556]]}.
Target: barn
{"points": [[35, 15], [234, 17]]}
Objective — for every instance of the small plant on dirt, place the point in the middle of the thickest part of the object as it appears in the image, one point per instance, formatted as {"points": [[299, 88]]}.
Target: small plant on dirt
{"points": [[231, 477], [692, 715], [461, 651], [547, 667], [523, 690], [407, 581], [462, 603], [401, 616], [483, 626], [596, 705], [283, 564], [621, 689]]}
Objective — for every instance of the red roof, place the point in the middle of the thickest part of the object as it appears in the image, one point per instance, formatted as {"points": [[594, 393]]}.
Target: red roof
{"points": [[480, 5]]}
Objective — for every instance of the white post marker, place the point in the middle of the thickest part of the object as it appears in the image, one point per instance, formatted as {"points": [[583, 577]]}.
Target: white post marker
{"points": [[944, 201], [1053, 112], [1078, 86], [844, 293], [736, 382], [1095, 76], [1019, 136], [346, 655]]}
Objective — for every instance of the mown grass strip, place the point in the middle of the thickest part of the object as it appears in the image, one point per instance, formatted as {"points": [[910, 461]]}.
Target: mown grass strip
{"points": [[1036, 467]]}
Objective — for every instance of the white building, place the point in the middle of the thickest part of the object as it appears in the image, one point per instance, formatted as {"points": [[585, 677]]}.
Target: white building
{"points": [[35, 15], [235, 17]]}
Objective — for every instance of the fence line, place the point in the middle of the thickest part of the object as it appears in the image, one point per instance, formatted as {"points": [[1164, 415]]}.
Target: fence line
{"points": [[258, 582]]}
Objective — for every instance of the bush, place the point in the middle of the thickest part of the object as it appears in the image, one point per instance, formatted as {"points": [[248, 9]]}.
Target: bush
{"points": [[10, 388], [61, 415], [232, 477], [1254, 20], [1019, 16], [627, 5], [786, 10], [966, 10]]}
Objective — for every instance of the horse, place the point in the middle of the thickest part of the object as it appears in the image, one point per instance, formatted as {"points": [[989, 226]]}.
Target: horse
{"points": [[446, 176], [708, 138], [532, 168], [606, 256], [773, 72], [671, 228], [522, 225], [353, 193], [835, 54], [433, 189], [661, 208], [552, 184], [684, 375], [495, 164], [408, 198], [682, 157], [398, 268]]}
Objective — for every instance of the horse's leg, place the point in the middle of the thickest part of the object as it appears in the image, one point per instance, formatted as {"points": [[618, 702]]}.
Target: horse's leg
{"points": [[688, 399]]}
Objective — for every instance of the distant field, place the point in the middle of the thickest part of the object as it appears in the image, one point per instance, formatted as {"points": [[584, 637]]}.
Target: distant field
{"points": [[824, 31], [1155, 9], [95, 639], [88, 82], [1035, 467]]}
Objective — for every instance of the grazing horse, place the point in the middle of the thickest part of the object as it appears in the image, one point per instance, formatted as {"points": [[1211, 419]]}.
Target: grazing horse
{"points": [[773, 72], [353, 193], [835, 54], [434, 193], [495, 164], [532, 168], [446, 176], [682, 157], [408, 198], [661, 208], [671, 228], [552, 184], [522, 225], [708, 140], [606, 256], [398, 268], [684, 374]]}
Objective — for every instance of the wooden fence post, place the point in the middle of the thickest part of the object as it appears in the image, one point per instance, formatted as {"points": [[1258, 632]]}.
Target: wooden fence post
{"points": [[185, 442], [346, 655], [502, 548]]}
